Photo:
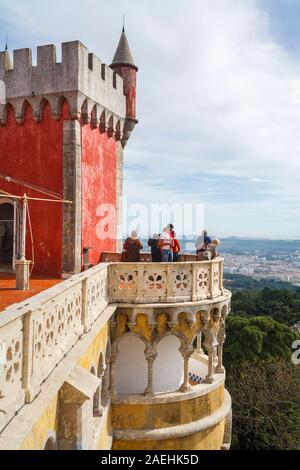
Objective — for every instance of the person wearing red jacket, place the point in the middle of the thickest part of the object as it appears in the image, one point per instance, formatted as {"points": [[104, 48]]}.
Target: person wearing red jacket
{"points": [[176, 249]]}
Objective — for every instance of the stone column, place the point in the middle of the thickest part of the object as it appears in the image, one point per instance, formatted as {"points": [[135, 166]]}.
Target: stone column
{"points": [[186, 354], [210, 344], [75, 421], [113, 360], [150, 358], [106, 385], [71, 243], [98, 408], [199, 343], [221, 340]]}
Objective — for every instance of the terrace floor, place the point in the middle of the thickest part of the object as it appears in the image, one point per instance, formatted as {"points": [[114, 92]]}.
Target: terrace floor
{"points": [[9, 295]]}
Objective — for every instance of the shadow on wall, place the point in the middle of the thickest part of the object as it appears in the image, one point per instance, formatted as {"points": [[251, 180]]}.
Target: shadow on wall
{"points": [[131, 366], [168, 366]]}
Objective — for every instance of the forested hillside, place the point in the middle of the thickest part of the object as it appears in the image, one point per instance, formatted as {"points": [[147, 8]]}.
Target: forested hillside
{"points": [[261, 378]]}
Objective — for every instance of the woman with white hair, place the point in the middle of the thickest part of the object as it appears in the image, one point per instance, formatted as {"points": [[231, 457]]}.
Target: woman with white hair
{"points": [[132, 248]]}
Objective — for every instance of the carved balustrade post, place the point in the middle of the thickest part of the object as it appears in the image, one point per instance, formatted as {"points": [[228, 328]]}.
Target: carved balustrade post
{"points": [[84, 318], [211, 280], [221, 278], [140, 283]]}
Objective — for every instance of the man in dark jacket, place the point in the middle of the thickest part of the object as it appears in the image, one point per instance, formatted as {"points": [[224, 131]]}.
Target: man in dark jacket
{"points": [[155, 250]]}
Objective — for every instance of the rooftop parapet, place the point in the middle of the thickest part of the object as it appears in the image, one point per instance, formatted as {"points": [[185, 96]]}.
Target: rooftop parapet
{"points": [[79, 72]]}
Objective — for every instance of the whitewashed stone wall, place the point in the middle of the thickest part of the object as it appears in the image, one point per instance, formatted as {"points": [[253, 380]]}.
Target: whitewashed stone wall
{"points": [[165, 282]]}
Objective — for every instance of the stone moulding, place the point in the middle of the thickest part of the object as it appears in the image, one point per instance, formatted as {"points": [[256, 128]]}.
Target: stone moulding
{"points": [[81, 107], [178, 431]]}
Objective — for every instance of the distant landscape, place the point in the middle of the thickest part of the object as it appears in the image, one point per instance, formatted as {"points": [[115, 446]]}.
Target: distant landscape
{"points": [[262, 247], [260, 259]]}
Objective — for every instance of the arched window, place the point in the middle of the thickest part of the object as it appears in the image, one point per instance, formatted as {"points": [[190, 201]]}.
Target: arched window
{"points": [[106, 377], [95, 397], [97, 405], [168, 366], [7, 234], [50, 444], [131, 366]]}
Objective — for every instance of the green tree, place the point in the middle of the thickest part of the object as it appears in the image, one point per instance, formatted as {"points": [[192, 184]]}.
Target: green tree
{"points": [[266, 405], [250, 339]]}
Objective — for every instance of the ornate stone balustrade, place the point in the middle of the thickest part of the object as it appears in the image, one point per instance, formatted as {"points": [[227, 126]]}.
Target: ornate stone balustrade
{"points": [[146, 283], [36, 334]]}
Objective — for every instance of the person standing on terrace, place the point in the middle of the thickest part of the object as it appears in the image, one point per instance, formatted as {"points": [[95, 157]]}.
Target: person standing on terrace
{"points": [[170, 229], [176, 249], [166, 246], [132, 248], [202, 240], [155, 250]]}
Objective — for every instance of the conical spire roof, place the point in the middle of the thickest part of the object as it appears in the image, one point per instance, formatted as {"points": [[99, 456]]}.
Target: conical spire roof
{"points": [[123, 54]]}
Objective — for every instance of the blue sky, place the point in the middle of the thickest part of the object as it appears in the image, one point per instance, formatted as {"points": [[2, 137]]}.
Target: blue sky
{"points": [[218, 100]]}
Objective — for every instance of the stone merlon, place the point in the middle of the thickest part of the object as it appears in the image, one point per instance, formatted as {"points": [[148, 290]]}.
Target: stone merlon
{"points": [[79, 72]]}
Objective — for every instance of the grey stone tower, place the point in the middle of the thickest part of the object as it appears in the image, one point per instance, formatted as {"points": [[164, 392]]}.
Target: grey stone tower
{"points": [[124, 65]]}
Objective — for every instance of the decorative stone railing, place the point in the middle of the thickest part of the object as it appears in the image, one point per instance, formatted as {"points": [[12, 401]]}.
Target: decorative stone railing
{"points": [[144, 283], [36, 334]]}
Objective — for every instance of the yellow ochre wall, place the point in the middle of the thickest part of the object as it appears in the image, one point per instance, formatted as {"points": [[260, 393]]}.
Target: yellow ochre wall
{"points": [[47, 423], [137, 416], [164, 415], [161, 415], [92, 354], [210, 439]]}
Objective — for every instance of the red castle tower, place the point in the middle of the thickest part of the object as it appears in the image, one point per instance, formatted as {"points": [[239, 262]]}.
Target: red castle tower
{"points": [[64, 126]]}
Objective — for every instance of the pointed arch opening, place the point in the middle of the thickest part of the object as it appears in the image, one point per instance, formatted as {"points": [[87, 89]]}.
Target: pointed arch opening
{"points": [[131, 366], [168, 366]]}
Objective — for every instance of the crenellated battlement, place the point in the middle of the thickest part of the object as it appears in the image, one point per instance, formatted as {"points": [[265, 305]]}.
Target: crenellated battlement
{"points": [[78, 77]]}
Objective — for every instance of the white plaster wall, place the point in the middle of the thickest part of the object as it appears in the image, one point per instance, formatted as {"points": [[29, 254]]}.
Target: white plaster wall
{"points": [[197, 367], [168, 366], [131, 366]]}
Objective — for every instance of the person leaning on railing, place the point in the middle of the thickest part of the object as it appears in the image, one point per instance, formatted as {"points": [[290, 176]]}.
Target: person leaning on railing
{"points": [[132, 248], [208, 251], [166, 246], [155, 249]]}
